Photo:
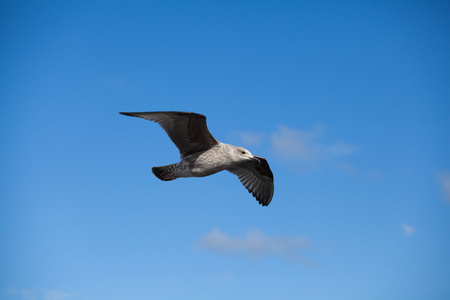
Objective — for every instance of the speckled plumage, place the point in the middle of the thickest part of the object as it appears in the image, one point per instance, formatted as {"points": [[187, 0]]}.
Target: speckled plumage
{"points": [[202, 155]]}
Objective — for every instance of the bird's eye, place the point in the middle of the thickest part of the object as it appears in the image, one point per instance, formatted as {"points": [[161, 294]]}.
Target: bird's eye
{"points": [[243, 152]]}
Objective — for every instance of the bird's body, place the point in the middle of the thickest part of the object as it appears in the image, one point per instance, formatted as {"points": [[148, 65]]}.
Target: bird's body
{"points": [[202, 155], [201, 164]]}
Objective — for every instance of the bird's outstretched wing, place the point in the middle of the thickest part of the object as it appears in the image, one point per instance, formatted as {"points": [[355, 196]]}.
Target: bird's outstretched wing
{"points": [[188, 131], [257, 179]]}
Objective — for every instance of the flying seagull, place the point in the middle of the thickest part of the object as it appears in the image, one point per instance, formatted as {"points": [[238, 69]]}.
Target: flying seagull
{"points": [[203, 155]]}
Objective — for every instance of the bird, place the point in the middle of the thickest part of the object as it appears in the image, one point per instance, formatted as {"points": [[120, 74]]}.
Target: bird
{"points": [[202, 155]]}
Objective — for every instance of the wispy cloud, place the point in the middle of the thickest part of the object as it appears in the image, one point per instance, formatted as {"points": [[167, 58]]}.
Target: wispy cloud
{"points": [[444, 180], [28, 294], [255, 244], [55, 295], [248, 139], [306, 145], [302, 149], [296, 144], [23, 293], [408, 229]]}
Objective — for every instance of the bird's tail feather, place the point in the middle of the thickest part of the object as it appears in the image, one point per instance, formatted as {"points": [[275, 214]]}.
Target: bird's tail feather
{"points": [[164, 173]]}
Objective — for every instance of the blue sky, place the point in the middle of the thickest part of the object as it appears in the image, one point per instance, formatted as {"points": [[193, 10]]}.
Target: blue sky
{"points": [[349, 102]]}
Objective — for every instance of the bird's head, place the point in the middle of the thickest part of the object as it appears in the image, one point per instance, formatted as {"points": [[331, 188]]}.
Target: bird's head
{"points": [[241, 154]]}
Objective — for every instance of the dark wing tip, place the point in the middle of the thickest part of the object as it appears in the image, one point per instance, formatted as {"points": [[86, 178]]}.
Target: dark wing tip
{"points": [[257, 178], [263, 202], [126, 114], [178, 113], [263, 167]]}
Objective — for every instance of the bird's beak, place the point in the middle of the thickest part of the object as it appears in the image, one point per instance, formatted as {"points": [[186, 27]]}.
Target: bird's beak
{"points": [[255, 159]]}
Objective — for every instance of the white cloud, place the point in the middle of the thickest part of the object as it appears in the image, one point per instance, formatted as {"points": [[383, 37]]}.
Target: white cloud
{"points": [[340, 149], [28, 294], [255, 244], [55, 295], [306, 146], [444, 179], [296, 144], [23, 293], [302, 149], [248, 139], [408, 229]]}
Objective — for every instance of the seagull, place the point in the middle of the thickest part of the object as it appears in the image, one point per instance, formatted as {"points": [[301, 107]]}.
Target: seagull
{"points": [[203, 155]]}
